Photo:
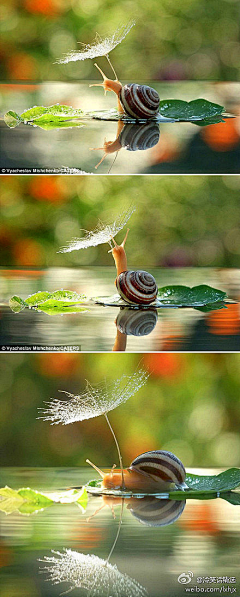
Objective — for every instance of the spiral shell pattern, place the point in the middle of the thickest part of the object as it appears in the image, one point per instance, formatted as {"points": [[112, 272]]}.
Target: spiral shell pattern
{"points": [[161, 466], [154, 512], [137, 287], [139, 101], [136, 322], [135, 137]]}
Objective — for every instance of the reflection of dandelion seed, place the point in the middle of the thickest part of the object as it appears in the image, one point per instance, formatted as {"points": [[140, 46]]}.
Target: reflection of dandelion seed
{"points": [[95, 575], [95, 400], [100, 47], [102, 234]]}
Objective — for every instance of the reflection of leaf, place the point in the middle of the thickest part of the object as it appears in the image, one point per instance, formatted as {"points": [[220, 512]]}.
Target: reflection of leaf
{"points": [[185, 296], [229, 479], [50, 117], [211, 307], [232, 497], [52, 303], [94, 400], [194, 110], [95, 575]]}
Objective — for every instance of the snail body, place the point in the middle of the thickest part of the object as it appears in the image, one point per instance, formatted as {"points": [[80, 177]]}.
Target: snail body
{"points": [[135, 287], [154, 471], [134, 100]]}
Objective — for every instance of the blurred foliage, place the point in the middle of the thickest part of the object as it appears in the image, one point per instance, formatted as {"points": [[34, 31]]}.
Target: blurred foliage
{"points": [[190, 406], [190, 40], [189, 221]]}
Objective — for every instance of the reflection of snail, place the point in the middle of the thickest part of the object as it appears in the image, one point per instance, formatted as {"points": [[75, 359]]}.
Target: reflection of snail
{"points": [[152, 471], [133, 137], [137, 287], [136, 323], [131, 322], [149, 510], [155, 512], [137, 101]]}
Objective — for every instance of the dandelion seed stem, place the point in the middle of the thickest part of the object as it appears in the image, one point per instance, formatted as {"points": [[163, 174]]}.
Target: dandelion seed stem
{"points": [[118, 449]]}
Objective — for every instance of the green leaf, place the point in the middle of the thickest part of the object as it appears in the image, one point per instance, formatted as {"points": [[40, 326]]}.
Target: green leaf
{"points": [[83, 499], [229, 479], [17, 304], [34, 497], [52, 303], [37, 298], [194, 110], [211, 307], [11, 502], [12, 119], [185, 296], [51, 117]]}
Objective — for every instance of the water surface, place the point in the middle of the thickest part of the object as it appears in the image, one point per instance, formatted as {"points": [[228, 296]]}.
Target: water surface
{"points": [[205, 540], [97, 328], [181, 148]]}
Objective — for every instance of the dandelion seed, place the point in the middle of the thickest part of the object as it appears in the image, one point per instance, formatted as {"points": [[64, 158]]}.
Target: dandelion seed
{"points": [[102, 233], [94, 400], [95, 575], [100, 47]]}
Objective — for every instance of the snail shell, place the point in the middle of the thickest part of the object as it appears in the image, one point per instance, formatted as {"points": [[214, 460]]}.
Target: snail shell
{"points": [[139, 101], [137, 287], [136, 323], [136, 137], [154, 512], [162, 466]]}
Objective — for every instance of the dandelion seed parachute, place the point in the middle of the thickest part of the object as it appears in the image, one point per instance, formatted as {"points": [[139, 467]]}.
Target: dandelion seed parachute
{"points": [[94, 401], [95, 575], [101, 234], [100, 47]]}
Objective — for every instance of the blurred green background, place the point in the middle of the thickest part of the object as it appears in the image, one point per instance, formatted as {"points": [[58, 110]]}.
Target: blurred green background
{"points": [[189, 220], [194, 39], [190, 406]]}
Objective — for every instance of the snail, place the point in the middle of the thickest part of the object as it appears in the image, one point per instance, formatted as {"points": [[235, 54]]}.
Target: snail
{"points": [[135, 287], [132, 137], [134, 100], [154, 471]]}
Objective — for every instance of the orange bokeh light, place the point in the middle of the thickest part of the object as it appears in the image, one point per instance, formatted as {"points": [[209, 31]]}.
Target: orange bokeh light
{"points": [[28, 252], [225, 322], [222, 136], [47, 188], [165, 365]]}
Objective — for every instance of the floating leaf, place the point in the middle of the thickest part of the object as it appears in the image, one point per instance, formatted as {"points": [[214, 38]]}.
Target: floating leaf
{"points": [[94, 400], [100, 47], [194, 110], [185, 296], [17, 304], [34, 497], [90, 572], [11, 502], [12, 119], [52, 303], [56, 116], [229, 479], [102, 233], [28, 501]]}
